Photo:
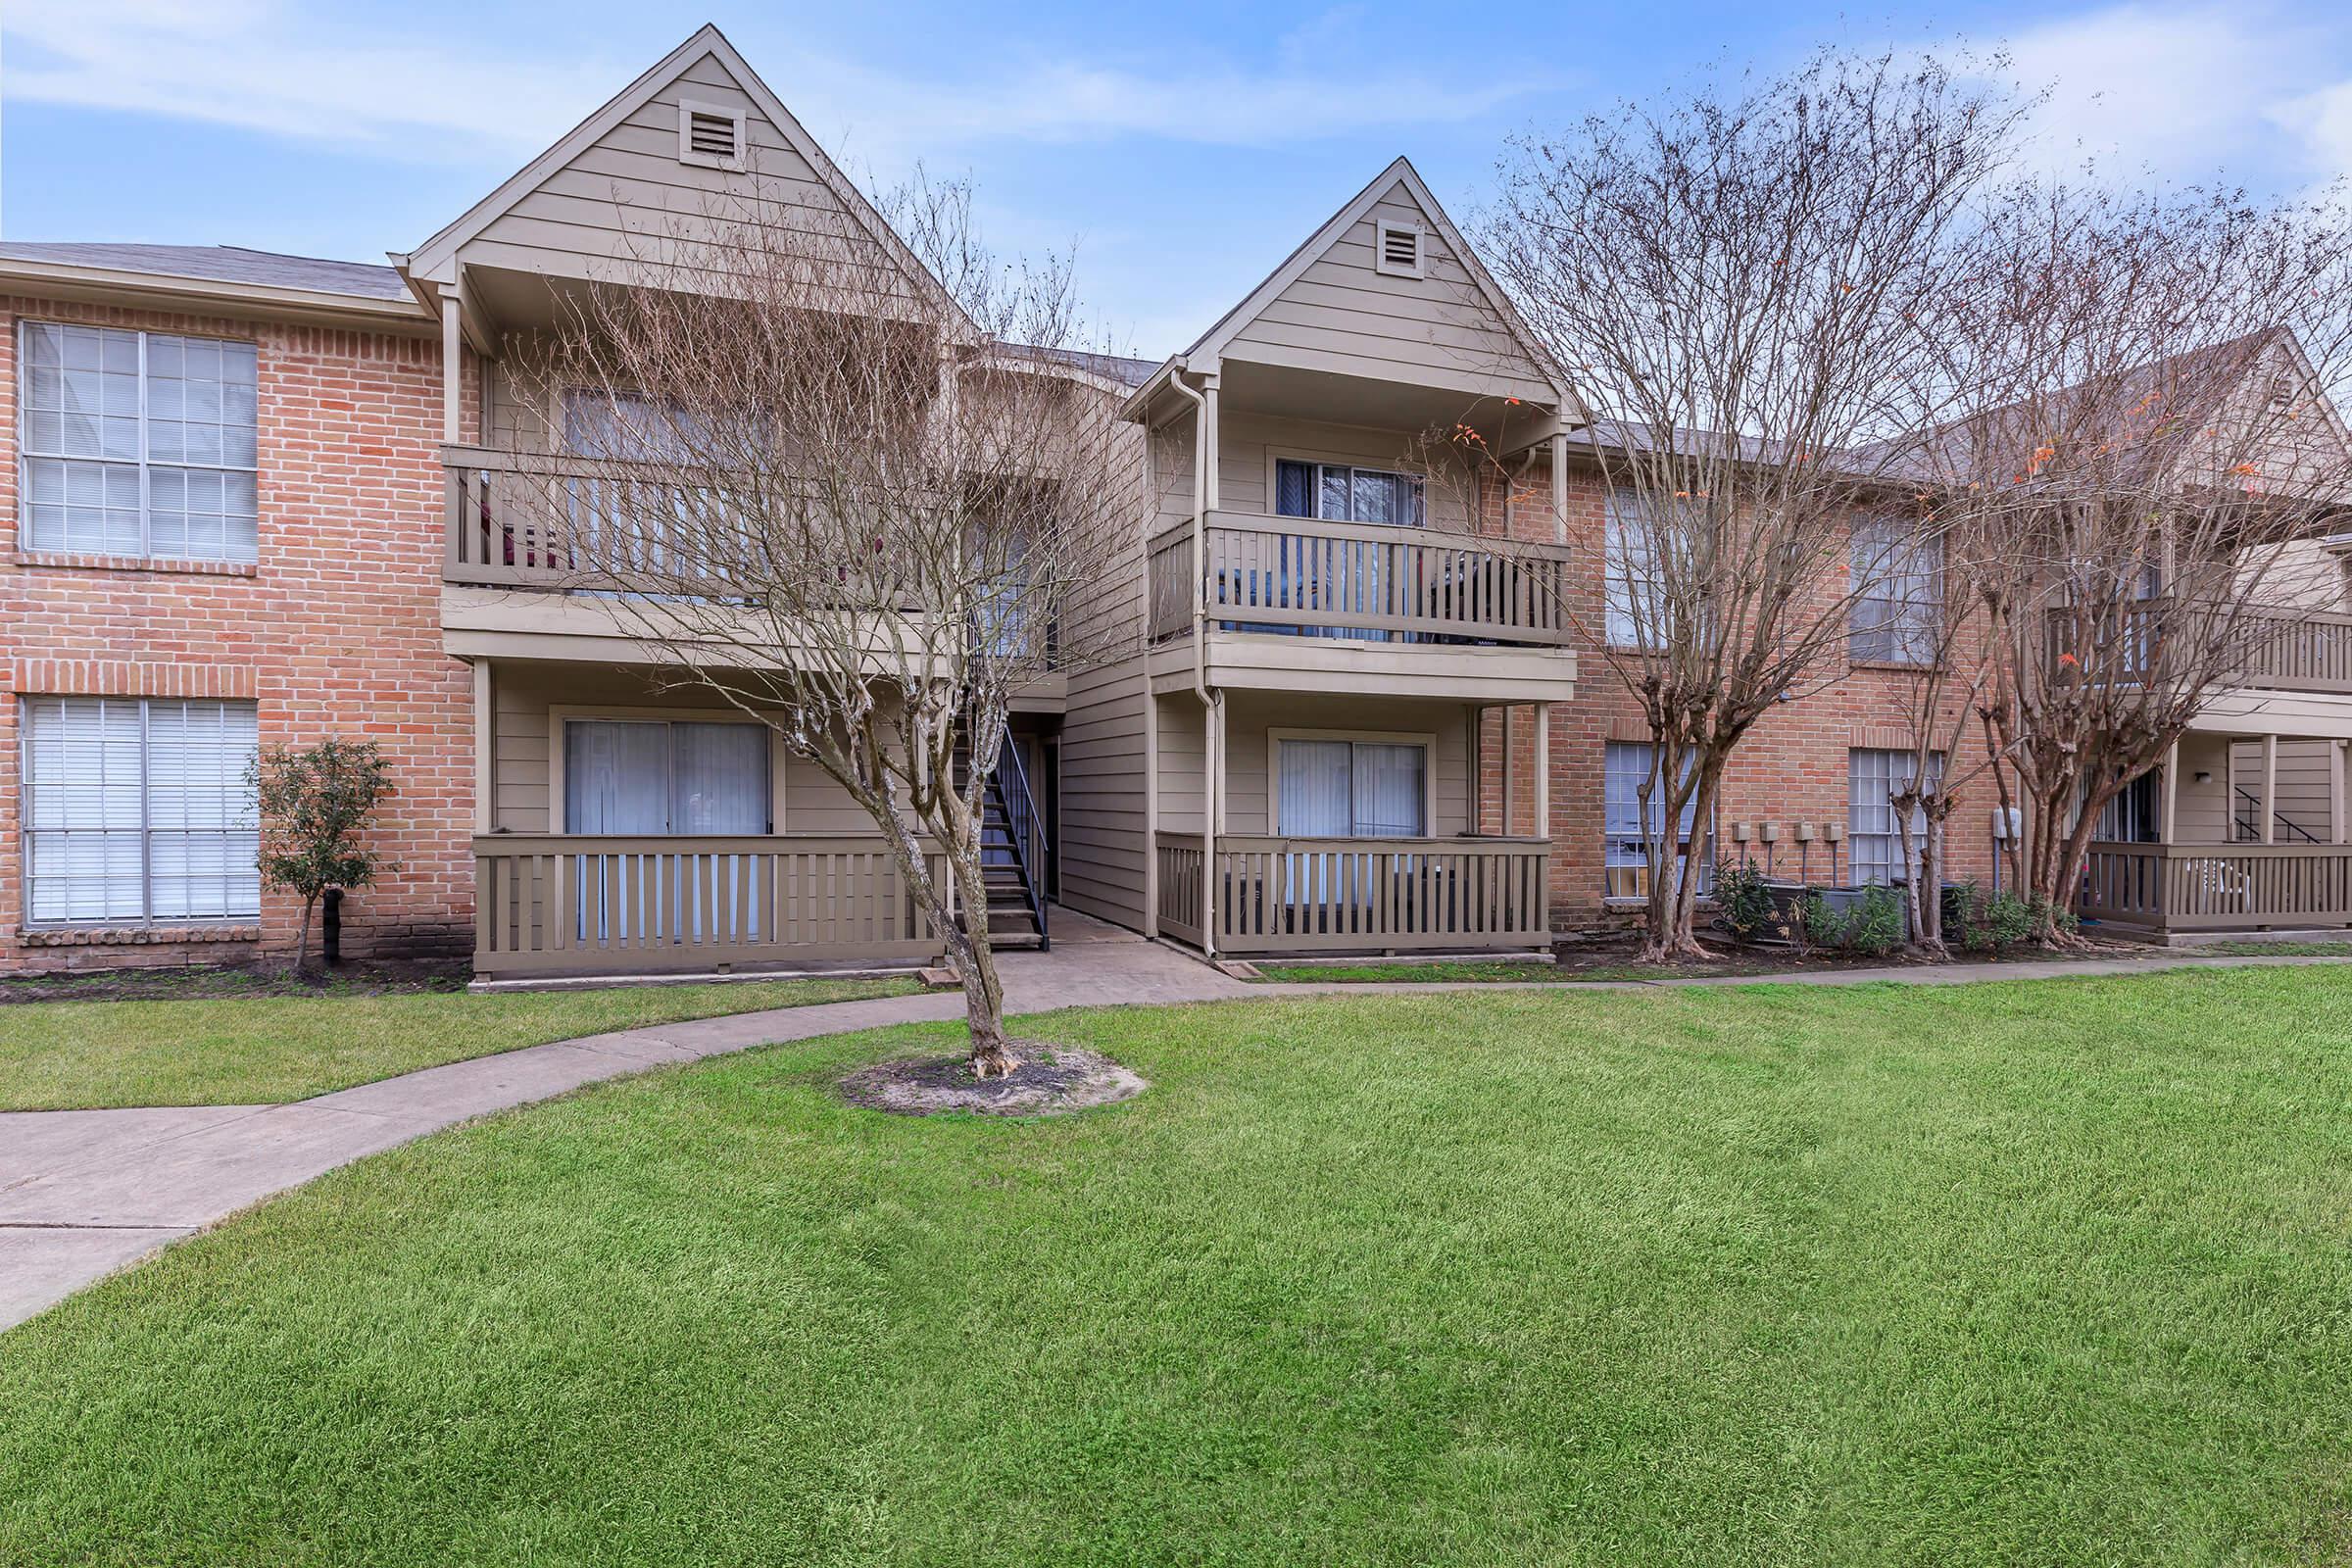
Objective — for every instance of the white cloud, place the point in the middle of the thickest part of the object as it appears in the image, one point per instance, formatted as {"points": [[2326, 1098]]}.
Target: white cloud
{"points": [[269, 67], [2189, 90]]}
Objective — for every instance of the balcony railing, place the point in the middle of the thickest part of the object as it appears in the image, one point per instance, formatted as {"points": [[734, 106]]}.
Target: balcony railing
{"points": [[538, 520], [2281, 650], [557, 903], [1334, 894], [2216, 887], [1302, 576]]}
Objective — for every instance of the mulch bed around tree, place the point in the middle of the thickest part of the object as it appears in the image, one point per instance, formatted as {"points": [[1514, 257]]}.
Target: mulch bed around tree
{"points": [[1050, 1081]]}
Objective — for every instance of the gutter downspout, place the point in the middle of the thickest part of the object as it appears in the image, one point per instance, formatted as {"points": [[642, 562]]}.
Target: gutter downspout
{"points": [[1212, 703]]}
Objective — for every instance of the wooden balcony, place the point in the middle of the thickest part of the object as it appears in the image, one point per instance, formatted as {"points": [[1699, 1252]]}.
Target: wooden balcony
{"points": [[563, 904], [2160, 889], [1303, 605], [2275, 649], [1368, 896], [518, 519], [1302, 576]]}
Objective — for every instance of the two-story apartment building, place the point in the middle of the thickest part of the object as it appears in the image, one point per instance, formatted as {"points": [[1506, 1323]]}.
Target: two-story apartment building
{"points": [[258, 499]]}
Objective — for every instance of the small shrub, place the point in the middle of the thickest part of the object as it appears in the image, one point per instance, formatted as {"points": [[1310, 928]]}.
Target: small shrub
{"points": [[1825, 926], [1746, 901], [1876, 926]]}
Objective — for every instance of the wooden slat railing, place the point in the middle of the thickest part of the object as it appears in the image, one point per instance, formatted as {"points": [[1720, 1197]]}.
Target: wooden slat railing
{"points": [[2216, 887], [532, 519], [2281, 649], [1180, 872], [1342, 894], [568, 903], [1305, 577]]}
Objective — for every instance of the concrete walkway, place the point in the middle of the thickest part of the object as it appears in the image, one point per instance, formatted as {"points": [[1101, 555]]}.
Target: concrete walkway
{"points": [[84, 1193]]}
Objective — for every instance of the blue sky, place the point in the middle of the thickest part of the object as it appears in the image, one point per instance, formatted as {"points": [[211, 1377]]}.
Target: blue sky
{"points": [[1183, 149]]}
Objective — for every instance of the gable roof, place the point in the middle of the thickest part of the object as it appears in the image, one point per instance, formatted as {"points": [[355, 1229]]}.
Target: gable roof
{"points": [[434, 261], [220, 264], [1399, 173]]}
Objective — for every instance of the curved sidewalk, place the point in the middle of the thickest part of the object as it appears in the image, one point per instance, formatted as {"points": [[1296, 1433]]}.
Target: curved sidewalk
{"points": [[84, 1193]]}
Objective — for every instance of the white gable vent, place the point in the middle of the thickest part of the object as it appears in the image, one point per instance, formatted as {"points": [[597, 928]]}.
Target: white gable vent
{"points": [[1397, 249], [710, 134]]}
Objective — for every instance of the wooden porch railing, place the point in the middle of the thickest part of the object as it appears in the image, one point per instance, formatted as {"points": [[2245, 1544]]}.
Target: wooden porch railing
{"points": [[557, 904], [547, 520], [2216, 887], [1350, 895], [1305, 577], [2279, 649]]}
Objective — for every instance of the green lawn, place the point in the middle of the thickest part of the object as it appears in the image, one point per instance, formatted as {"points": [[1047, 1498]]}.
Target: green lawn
{"points": [[2042, 1273], [257, 1049]]}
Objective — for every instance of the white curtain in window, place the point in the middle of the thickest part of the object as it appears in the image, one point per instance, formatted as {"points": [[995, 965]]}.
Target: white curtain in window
{"points": [[1391, 783], [1317, 792], [721, 778], [1874, 836], [1629, 593], [616, 777]]}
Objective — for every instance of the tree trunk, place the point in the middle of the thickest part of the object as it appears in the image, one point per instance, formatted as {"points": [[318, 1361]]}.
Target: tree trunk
{"points": [[975, 962], [301, 936], [1675, 939]]}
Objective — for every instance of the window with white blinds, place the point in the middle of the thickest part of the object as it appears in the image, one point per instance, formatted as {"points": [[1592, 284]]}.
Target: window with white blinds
{"points": [[138, 444], [138, 809]]}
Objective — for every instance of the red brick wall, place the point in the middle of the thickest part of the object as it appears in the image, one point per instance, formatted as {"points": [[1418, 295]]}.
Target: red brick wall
{"points": [[336, 630], [1790, 769]]}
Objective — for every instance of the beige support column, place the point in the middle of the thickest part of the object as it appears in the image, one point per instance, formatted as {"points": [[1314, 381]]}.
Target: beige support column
{"points": [[1210, 443], [453, 381], [2336, 792], [485, 749], [2171, 791], [1559, 488], [1151, 807], [1212, 818], [1542, 770], [2270, 789]]}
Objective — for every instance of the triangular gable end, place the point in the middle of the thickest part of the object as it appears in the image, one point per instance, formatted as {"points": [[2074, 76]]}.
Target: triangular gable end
{"points": [[568, 204], [1388, 288]]}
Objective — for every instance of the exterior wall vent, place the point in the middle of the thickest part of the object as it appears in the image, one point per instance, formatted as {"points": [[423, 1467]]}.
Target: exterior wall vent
{"points": [[1398, 250], [710, 134]]}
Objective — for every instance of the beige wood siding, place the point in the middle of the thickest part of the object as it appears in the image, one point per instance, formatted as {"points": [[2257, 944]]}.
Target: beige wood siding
{"points": [[522, 696], [1247, 445], [2303, 774], [1343, 315], [1251, 718], [1103, 805], [1181, 738], [625, 202]]}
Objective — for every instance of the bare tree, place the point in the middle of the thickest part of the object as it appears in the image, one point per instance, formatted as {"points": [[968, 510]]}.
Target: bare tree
{"points": [[2156, 437], [1733, 286], [857, 484]]}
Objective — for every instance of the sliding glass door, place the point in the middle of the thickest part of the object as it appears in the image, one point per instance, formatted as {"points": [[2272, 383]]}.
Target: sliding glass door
{"points": [[654, 778]]}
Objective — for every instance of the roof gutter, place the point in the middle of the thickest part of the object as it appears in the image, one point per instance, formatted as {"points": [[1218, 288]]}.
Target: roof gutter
{"points": [[108, 285], [1212, 704]]}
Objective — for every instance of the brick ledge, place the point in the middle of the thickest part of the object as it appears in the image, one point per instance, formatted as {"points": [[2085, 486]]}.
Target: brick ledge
{"points": [[73, 563], [135, 936]]}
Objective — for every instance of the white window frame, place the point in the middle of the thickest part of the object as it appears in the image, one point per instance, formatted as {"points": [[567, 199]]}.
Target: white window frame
{"points": [[1910, 627], [147, 918], [1628, 574], [1382, 228], [688, 108], [1353, 737], [1898, 764], [1694, 848], [1276, 459], [143, 462]]}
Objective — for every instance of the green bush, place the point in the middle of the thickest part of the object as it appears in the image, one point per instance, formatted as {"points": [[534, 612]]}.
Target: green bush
{"points": [[2003, 921], [1746, 901], [1872, 927]]}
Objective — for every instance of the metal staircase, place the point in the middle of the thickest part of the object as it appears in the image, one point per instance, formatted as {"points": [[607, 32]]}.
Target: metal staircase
{"points": [[1012, 851], [2245, 822]]}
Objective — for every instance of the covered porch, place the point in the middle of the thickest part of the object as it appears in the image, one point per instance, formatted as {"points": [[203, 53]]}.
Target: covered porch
{"points": [[1345, 823], [623, 826], [2244, 831]]}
